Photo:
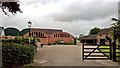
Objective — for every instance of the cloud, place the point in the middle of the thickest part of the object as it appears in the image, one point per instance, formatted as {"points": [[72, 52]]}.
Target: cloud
{"points": [[73, 16], [86, 11], [44, 2]]}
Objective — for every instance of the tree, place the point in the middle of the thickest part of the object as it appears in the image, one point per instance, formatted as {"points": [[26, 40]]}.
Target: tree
{"points": [[116, 27], [94, 31], [80, 35], [12, 7], [75, 41]]}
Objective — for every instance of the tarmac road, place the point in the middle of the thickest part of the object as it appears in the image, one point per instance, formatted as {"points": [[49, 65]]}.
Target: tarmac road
{"points": [[65, 55]]}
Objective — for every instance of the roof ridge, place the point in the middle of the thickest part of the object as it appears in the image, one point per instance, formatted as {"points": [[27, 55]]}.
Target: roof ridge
{"points": [[46, 28]]}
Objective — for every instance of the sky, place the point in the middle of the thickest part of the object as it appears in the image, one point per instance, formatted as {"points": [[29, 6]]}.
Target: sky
{"points": [[73, 16]]}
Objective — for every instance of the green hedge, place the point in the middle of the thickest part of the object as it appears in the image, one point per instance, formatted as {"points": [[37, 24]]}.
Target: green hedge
{"points": [[16, 54]]}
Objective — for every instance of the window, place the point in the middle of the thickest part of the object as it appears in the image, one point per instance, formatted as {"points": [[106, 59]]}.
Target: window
{"points": [[37, 34], [42, 35], [58, 35], [62, 35], [68, 35], [65, 35], [54, 35], [32, 33]]}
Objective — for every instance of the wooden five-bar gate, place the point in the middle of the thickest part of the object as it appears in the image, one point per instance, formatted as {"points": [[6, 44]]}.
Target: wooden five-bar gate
{"points": [[92, 51], [102, 51]]}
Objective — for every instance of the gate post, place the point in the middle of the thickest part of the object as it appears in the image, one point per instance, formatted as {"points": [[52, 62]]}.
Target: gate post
{"points": [[110, 49], [114, 46], [114, 51], [83, 50]]}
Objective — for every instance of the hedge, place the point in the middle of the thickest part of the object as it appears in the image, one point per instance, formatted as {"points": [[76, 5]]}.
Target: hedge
{"points": [[16, 54]]}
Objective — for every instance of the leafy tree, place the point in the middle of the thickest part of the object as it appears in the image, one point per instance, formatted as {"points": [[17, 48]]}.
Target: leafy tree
{"points": [[94, 31], [12, 7], [116, 26], [80, 35], [75, 41]]}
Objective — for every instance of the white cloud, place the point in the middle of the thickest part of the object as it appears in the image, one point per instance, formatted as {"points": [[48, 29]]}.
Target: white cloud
{"points": [[87, 11], [74, 16]]}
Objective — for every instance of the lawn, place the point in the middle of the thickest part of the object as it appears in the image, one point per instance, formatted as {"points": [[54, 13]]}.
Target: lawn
{"points": [[108, 50]]}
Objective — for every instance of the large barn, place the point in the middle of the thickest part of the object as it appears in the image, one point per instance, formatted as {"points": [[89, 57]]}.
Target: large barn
{"points": [[99, 37], [46, 36], [50, 36]]}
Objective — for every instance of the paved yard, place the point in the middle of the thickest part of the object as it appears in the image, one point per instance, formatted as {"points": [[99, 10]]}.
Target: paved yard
{"points": [[65, 55]]}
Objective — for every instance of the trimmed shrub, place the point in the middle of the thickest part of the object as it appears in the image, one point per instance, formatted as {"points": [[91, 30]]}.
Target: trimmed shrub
{"points": [[26, 40], [7, 40], [16, 54], [19, 40], [38, 40]]}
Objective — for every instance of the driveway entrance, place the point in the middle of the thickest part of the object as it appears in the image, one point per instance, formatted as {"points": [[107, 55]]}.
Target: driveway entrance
{"points": [[65, 55]]}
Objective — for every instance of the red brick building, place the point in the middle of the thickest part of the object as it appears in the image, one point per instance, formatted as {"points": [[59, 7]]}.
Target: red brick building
{"points": [[103, 33], [99, 37], [51, 36]]}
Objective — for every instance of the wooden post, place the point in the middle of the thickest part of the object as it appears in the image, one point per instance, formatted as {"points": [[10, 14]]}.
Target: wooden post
{"points": [[114, 46], [110, 49], [83, 50]]}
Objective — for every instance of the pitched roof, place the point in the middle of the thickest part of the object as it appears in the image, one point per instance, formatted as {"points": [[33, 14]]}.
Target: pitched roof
{"points": [[47, 31], [24, 31], [105, 31], [89, 37]]}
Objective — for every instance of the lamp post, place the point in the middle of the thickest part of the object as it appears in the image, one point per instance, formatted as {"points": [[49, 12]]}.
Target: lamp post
{"points": [[29, 25], [34, 40]]}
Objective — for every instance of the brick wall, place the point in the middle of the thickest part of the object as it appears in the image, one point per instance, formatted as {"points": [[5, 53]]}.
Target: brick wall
{"points": [[67, 39], [51, 38], [102, 36]]}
